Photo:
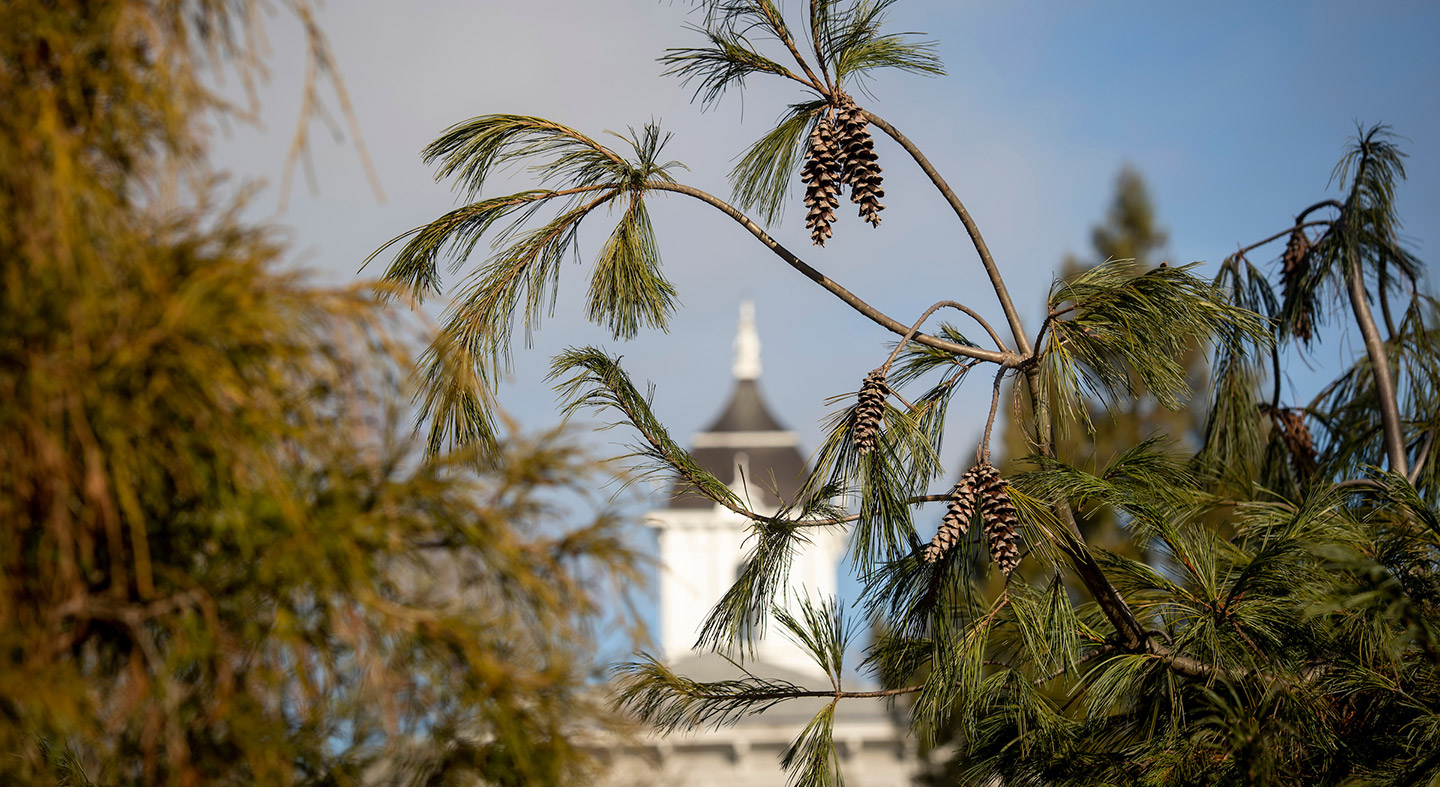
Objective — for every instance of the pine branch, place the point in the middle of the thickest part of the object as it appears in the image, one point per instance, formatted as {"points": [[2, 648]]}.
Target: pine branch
{"points": [[885, 367], [997, 281], [781, 31], [852, 300]]}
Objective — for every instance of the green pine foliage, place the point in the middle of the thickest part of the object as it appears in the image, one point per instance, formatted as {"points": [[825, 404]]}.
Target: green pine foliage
{"points": [[1265, 610], [223, 558]]}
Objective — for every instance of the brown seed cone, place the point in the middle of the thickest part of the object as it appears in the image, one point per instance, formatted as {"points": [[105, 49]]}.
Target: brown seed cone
{"points": [[1002, 525], [1295, 264], [957, 518], [1298, 441], [821, 174], [857, 157], [870, 410]]}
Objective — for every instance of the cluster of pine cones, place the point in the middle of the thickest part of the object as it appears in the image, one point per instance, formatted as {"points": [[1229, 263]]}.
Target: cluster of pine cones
{"points": [[980, 487], [841, 153], [1295, 264], [870, 410]]}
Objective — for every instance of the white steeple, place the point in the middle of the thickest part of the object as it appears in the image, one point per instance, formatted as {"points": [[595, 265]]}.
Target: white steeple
{"points": [[703, 546], [747, 344]]}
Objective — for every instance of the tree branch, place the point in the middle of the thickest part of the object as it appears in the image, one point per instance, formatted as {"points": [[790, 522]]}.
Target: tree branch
{"points": [[1132, 635], [1282, 234], [916, 328], [1379, 367], [1421, 457], [984, 451], [783, 33], [815, 41], [852, 300], [1089, 657], [1012, 316]]}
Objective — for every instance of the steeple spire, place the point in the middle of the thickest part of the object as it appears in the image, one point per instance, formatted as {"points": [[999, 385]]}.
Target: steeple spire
{"points": [[747, 344]]}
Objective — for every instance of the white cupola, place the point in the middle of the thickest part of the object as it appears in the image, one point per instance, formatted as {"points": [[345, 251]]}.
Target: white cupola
{"points": [[703, 545]]}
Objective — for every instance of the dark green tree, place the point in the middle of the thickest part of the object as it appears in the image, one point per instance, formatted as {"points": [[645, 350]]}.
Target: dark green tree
{"points": [[1288, 635], [222, 559]]}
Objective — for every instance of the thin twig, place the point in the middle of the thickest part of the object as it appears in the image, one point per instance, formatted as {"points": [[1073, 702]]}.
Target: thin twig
{"points": [[1089, 657], [1362, 484], [885, 367], [783, 33], [1324, 203], [1243, 250], [982, 455], [815, 40]]}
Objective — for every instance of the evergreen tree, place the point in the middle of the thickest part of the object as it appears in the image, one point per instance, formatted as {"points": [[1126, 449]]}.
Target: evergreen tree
{"points": [[222, 560], [1129, 235], [1290, 634]]}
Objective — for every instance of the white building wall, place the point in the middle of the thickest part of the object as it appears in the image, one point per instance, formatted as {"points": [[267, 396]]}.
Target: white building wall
{"points": [[701, 551]]}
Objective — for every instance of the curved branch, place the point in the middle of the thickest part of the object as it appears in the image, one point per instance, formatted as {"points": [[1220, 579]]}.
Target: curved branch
{"points": [[1282, 234], [1011, 315], [1380, 368], [1324, 203], [940, 305], [984, 450], [850, 298]]}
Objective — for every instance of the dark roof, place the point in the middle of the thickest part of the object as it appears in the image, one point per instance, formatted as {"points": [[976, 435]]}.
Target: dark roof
{"points": [[772, 467], [746, 412]]}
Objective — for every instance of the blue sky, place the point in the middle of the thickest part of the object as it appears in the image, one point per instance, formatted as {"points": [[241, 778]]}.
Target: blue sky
{"points": [[1234, 113]]}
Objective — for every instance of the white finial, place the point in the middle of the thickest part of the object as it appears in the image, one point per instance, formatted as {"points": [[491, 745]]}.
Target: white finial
{"points": [[747, 344]]}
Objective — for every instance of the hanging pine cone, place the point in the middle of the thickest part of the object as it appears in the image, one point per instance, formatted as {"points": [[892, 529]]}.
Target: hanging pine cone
{"points": [[857, 157], [1298, 441], [1295, 265], [957, 518], [997, 511], [821, 174], [870, 411]]}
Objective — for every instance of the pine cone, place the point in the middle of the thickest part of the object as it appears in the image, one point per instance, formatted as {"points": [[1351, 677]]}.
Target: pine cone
{"points": [[957, 518], [1002, 525], [1295, 265], [821, 174], [857, 157], [1298, 441], [870, 411]]}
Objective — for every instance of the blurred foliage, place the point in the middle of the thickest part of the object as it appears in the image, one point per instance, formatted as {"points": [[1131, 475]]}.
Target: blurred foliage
{"points": [[222, 560]]}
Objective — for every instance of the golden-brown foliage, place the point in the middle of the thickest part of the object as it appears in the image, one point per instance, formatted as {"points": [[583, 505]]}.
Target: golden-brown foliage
{"points": [[220, 561]]}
